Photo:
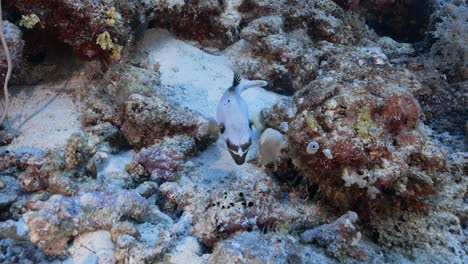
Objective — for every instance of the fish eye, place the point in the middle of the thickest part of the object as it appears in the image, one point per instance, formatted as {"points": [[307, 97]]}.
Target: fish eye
{"points": [[222, 128]]}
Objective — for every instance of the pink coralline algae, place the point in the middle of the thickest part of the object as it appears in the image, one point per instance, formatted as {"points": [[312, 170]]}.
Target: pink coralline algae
{"points": [[163, 161]]}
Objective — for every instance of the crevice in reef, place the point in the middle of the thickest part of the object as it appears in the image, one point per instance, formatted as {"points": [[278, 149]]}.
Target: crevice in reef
{"points": [[402, 20]]}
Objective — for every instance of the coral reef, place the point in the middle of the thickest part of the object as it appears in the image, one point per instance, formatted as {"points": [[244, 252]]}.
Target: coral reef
{"points": [[443, 70], [76, 23], [362, 160], [282, 44], [366, 121]]}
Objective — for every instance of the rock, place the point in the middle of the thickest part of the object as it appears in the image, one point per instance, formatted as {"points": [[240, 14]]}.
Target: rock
{"points": [[255, 247], [5, 138], [16, 230], [61, 218], [211, 23], [271, 144], [93, 247], [339, 238], [46, 173], [188, 248], [147, 189], [245, 204], [394, 49], [163, 161], [6, 200], [11, 198], [147, 119]]}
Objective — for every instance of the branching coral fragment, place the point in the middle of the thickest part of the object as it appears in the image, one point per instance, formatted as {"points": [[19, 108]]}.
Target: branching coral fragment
{"points": [[111, 17], [104, 40], [29, 21]]}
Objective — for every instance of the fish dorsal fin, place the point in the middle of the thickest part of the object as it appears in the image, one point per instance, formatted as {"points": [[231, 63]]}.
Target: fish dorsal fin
{"points": [[237, 79]]}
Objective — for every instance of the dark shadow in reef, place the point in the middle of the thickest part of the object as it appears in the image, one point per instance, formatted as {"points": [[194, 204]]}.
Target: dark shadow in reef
{"points": [[402, 20]]}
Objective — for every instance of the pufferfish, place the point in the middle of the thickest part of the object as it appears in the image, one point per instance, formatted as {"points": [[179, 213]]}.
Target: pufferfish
{"points": [[232, 116]]}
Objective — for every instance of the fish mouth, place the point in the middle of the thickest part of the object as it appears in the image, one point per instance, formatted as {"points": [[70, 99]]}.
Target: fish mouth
{"points": [[238, 159]]}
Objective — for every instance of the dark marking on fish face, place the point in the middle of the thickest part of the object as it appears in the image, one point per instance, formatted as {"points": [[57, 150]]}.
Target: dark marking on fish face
{"points": [[233, 149], [246, 146], [238, 159], [222, 128], [231, 146], [250, 125]]}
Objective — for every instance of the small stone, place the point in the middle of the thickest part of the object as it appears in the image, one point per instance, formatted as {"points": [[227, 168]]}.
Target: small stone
{"points": [[284, 127], [147, 189], [2, 185], [327, 153], [7, 199]]}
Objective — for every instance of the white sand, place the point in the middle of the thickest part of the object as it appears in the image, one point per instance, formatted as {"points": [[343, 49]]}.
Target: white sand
{"points": [[41, 118], [195, 79]]}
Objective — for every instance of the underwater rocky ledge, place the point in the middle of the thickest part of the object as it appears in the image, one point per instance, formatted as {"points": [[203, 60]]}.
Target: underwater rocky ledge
{"points": [[110, 152]]}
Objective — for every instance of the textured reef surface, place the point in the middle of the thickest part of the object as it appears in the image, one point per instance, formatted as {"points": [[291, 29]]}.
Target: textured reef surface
{"points": [[110, 152]]}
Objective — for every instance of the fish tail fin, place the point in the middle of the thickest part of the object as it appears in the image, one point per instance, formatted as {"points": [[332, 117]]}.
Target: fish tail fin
{"points": [[254, 83], [239, 84], [246, 84]]}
